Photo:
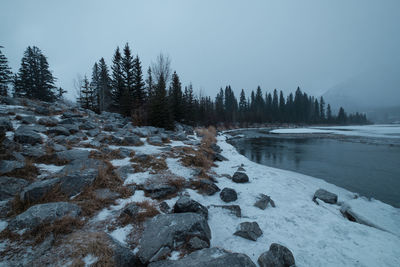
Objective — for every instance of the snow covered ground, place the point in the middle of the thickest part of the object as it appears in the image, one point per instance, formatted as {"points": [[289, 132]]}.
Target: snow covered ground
{"points": [[318, 235], [377, 131]]}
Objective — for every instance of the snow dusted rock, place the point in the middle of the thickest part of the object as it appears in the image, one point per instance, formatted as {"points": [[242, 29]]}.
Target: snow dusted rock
{"points": [[196, 243], [216, 148], [240, 177], [48, 212], [75, 182], [240, 169], [105, 193], [28, 119], [276, 256], [48, 121], [207, 187], [234, 209], [249, 230], [372, 213], [228, 195], [171, 231], [109, 127], [124, 171], [58, 130], [93, 132], [7, 166], [180, 136], [219, 157], [42, 110], [208, 257], [10, 186], [25, 135], [155, 140], [186, 204], [131, 210], [158, 191], [5, 124], [81, 164], [37, 190], [263, 201], [73, 154], [36, 151], [88, 126], [325, 196], [146, 131]]}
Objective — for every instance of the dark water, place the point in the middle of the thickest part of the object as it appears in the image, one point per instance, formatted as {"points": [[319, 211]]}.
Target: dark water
{"points": [[371, 170]]}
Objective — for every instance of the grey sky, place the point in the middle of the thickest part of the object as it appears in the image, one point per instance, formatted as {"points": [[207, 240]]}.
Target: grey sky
{"points": [[274, 44]]}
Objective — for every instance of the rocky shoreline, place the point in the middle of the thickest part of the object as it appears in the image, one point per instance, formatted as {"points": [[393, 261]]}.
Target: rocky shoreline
{"points": [[82, 189]]}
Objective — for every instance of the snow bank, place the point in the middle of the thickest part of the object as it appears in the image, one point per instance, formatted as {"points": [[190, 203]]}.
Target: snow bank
{"points": [[318, 235]]}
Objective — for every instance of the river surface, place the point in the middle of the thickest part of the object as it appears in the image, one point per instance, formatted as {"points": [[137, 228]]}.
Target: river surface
{"points": [[369, 169]]}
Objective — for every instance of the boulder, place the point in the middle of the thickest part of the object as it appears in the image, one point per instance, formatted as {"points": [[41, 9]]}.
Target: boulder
{"points": [[37, 190], [155, 140], [240, 177], [216, 148], [228, 195], [186, 204], [6, 125], [42, 110], [36, 151], [158, 191], [73, 154], [276, 256], [171, 231], [48, 121], [88, 126], [10, 186], [207, 187], [132, 140], [131, 210], [26, 135], [249, 230], [58, 130], [124, 171], [234, 209], [7, 166], [105, 193], [75, 182], [263, 201], [219, 157], [72, 128], [28, 119], [43, 213], [208, 257], [325, 196], [196, 243], [77, 165], [6, 208]]}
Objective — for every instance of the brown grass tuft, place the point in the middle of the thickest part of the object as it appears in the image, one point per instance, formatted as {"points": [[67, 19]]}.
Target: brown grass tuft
{"points": [[29, 172], [156, 164], [114, 154]]}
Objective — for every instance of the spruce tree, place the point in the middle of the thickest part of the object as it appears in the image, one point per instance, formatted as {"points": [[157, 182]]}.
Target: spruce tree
{"points": [[94, 85], [282, 108], [104, 87], [275, 106], [138, 92], [34, 79], [117, 84], [149, 85], [329, 114], [176, 98], [160, 113], [60, 93], [342, 117], [85, 92], [128, 73], [322, 108], [5, 74]]}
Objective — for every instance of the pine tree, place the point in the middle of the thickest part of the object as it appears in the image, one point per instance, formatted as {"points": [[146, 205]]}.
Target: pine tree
{"points": [[160, 113], [322, 108], [85, 94], [149, 84], [128, 74], [219, 106], [176, 98], [189, 106], [5, 74], [117, 83], [342, 117], [34, 79], [329, 114], [275, 106], [60, 93], [94, 85], [138, 84], [104, 87], [282, 108]]}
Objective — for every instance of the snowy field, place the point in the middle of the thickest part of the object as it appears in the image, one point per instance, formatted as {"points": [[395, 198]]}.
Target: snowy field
{"points": [[377, 131], [318, 235]]}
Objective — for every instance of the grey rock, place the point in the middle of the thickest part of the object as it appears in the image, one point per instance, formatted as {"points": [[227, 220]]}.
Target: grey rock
{"points": [[124, 171], [249, 230], [219, 157], [88, 126], [155, 140], [161, 254], [208, 187], [42, 110], [73, 154], [325, 196], [263, 201], [7, 166], [58, 147], [186, 204], [164, 207], [72, 128], [240, 177], [234, 209], [228, 195], [105, 193], [25, 135], [10, 186], [68, 114], [180, 136], [48, 121], [28, 119], [241, 169], [208, 257], [5, 207], [196, 243], [131, 210], [36, 151], [77, 165], [6, 125], [158, 191], [37, 190], [132, 140], [75, 182], [122, 256], [48, 212], [216, 148], [144, 131], [109, 128], [58, 130], [276, 256], [171, 230]]}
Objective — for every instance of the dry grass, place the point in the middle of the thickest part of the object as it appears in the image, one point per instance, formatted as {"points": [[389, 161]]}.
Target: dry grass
{"points": [[28, 172], [114, 154], [155, 164]]}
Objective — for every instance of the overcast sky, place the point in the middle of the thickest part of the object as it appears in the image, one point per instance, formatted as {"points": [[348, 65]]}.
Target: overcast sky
{"points": [[275, 44]]}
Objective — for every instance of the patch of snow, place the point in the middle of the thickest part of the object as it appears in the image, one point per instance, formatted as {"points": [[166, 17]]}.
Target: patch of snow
{"points": [[144, 149], [49, 167], [175, 255], [121, 162], [300, 131], [318, 235], [177, 168], [89, 260], [137, 178], [10, 134], [86, 148], [120, 234]]}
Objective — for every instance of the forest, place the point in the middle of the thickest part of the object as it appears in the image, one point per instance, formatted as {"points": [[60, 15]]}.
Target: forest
{"points": [[158, 97]]}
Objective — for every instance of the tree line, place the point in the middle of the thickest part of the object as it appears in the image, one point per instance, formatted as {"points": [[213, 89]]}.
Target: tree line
{"points": [[159, 99]]}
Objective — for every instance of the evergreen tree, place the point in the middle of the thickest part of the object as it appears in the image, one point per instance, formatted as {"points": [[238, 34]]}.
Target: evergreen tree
{"points": [[275, 106], [219, 106], [120, 103], [342, 117], [128, 70], [60, 93], [34, 79], [5, 74], [282, 109], [94, 85], [329, 114], [322, 108], [160, 113], [317, 115], [85, 92], [176, 98], [138, 84], [242, 107], [189, 105], [104, 87], [149, 84]]}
